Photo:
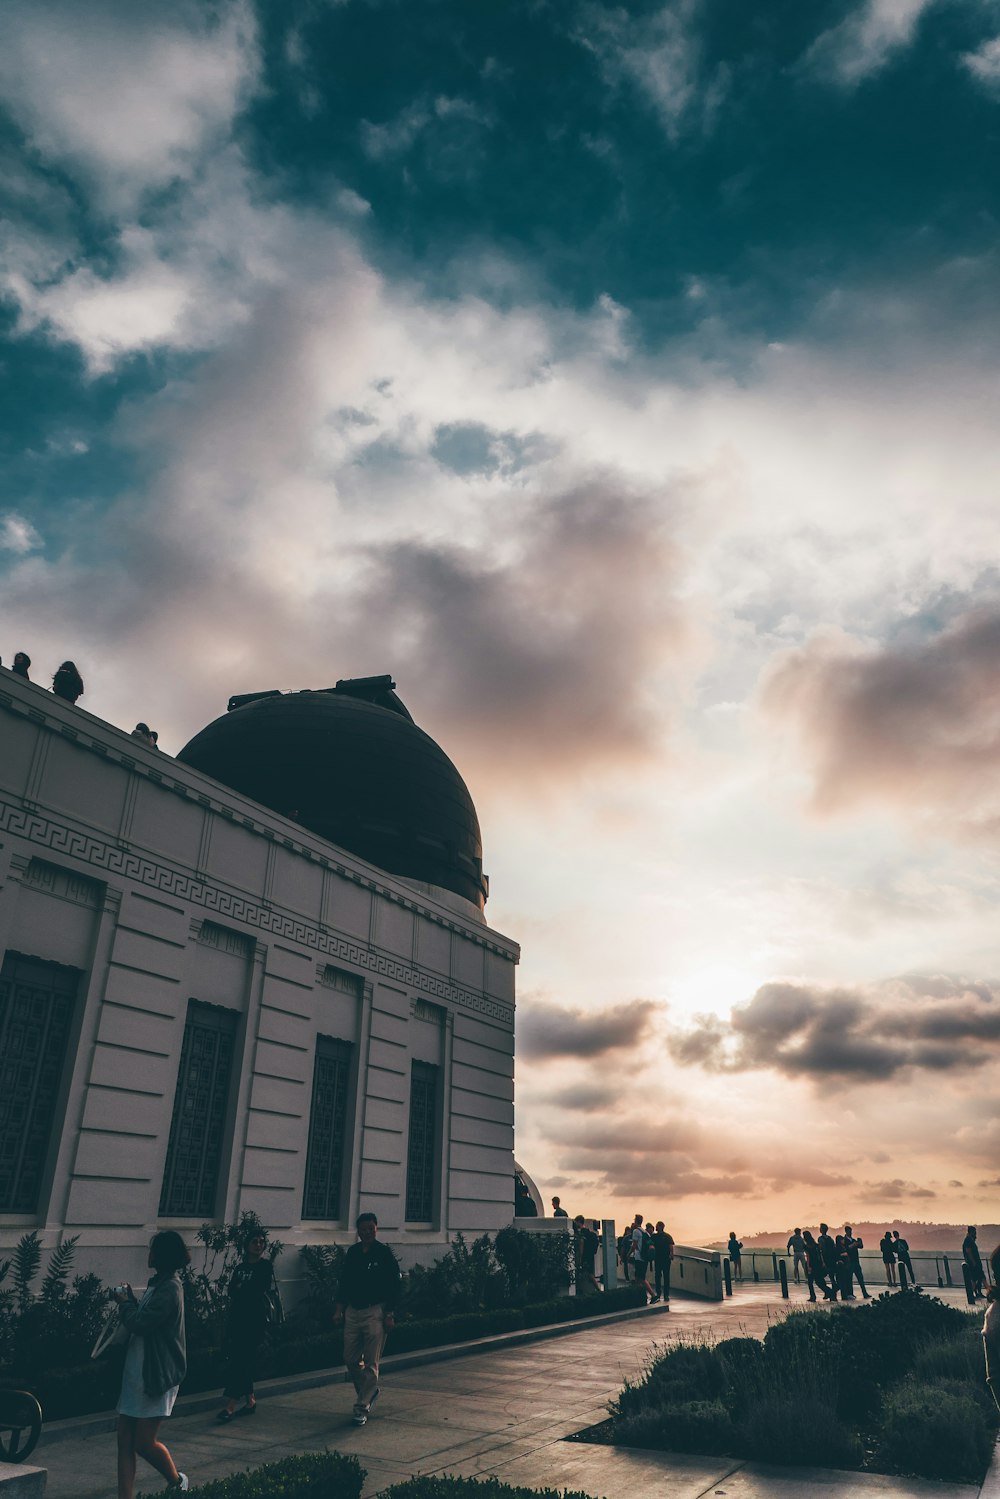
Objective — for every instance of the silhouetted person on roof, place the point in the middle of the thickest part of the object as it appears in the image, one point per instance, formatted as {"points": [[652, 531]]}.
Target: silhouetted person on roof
{"points": [[21, 664], [68, 683]]}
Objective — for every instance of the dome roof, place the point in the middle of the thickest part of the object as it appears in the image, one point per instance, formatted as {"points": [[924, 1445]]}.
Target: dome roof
{"points": [[351, 765]]}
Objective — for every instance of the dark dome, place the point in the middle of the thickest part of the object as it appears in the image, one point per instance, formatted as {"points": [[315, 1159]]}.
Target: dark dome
{"points": [[351, 765]]}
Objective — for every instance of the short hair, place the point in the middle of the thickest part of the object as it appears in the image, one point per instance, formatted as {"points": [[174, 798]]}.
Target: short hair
{"points": [[824, 1228], [972, 1228], [168, 1251], [365, 1218]]}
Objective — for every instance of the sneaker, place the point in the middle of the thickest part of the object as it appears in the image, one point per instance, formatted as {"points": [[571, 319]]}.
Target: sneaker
{"points": [[181, 1486], [360, 1418], [653, 1300]]}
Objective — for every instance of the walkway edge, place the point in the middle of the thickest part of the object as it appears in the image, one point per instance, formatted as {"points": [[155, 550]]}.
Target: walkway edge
{"points": [[192, 1405]]}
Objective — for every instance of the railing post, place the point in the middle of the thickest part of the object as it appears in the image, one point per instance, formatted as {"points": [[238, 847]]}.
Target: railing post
{"points": [[947, 1272], [783, 1277], [937, 1268], [774, 1265], [753, 1266], [727, 1276]]}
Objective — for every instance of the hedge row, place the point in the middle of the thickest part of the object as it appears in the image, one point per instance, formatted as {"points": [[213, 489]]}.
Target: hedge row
{"points": [[95, 1386], [329, 1475], [313, 1475]]}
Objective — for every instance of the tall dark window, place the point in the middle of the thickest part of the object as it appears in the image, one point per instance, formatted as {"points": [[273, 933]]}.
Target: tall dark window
{"points": [[36, 1015], [327, 1129], [198, 1124], [422, 1150]]}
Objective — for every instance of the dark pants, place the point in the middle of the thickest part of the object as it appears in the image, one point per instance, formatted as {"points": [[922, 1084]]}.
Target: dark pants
{"points": [[854, 1272], [831, 1270], [242, 1350], [661, 1274], [816, 1277]]}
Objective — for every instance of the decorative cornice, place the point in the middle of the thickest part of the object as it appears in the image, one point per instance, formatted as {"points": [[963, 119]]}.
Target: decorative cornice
{"points": [[126, 864]]}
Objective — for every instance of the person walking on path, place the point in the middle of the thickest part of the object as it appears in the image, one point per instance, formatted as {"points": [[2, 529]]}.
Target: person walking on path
{"points": [[797, 1246], [735, 1251], [852, 1248], [888, 1257], [991, 1329], [155, 1363], [367, 1294], [253, 1303], [642, 1248], [974, 1260], [816, 1269], [663, 1255], [902, 1249]]}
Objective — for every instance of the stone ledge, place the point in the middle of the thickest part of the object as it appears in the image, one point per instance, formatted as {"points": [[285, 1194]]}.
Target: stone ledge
{"points": [[17, 1481]]}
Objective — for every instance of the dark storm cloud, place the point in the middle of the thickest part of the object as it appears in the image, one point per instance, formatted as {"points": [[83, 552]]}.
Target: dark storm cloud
{"points": [[915, 724], [585, 1096], [554, 1031], [540, 651], [847, 1034], [676, 1157], [896, 1190]]}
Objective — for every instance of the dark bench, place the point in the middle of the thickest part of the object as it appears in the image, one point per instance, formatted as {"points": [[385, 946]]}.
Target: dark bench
{"points": [[20, 1425]]}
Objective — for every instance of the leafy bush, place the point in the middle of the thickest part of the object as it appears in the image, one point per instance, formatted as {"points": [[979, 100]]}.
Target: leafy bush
{"points": [[206, 1291], [321, 1268], [471, 1488], [797, 1429], [933, 1432], [690, 1426], [958, 1357], [794, 1398], [313, 1475], [57, 1325]]}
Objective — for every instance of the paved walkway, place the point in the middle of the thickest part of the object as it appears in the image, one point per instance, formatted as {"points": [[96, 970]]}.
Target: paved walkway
{"points": [[503, 1412]]}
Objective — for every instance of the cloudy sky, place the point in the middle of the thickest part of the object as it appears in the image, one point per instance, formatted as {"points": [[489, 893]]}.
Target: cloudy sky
{"points": [[623, 378]]}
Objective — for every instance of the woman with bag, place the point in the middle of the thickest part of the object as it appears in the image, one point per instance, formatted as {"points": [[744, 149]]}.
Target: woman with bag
{"points": [[155, 1363], [253, 1306]]}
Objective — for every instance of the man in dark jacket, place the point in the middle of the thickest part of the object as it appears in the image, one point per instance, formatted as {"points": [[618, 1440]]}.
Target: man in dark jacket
{"points": [[828, 1249], [367, 1294]]}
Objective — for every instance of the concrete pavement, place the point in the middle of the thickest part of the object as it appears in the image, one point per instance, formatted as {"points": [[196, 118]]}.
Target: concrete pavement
{"points": [[502, 1412]]}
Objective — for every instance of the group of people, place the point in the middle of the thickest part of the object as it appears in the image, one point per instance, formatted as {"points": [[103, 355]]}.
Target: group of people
{"points": [[67, 682], [644, 1250], [367, 1294], [831, 1263], [647, 1251], [152, 1328]]}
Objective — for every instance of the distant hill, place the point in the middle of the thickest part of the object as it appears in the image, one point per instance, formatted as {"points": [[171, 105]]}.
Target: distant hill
{"points": [[935, 1236]]}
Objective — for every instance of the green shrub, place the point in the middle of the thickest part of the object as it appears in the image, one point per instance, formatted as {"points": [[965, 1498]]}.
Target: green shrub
{"points": [[958, 1357], [471, 1488], [690, 1426], [686, 1372], [313, 1475], [793, 1430], [741, 1358], [935, 1433]]}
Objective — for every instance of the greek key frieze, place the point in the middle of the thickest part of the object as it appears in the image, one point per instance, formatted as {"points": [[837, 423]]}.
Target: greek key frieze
{"points": [[128, 865]]}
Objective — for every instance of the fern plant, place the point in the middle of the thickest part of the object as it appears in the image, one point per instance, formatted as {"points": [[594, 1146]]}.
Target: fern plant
{"points": [[27, 1258]]}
